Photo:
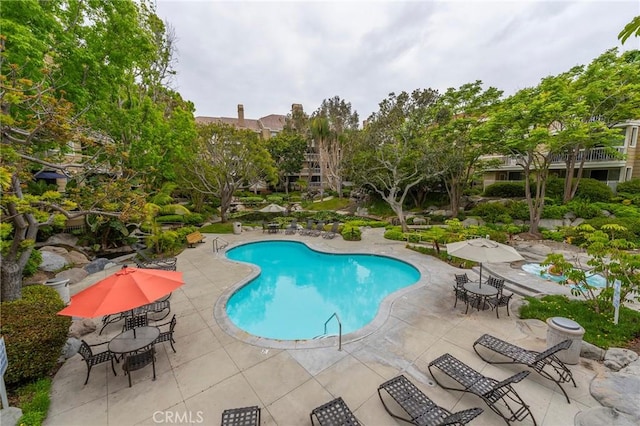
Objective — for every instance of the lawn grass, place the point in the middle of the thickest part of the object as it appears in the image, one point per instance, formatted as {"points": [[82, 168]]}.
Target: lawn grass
{"points": [[218, 228], [599, 328], [34, 401], [332, 204]]}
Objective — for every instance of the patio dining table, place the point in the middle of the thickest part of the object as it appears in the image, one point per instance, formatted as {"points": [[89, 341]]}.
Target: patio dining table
{"points": [[483, 292], [133, 340], [273, 228]]}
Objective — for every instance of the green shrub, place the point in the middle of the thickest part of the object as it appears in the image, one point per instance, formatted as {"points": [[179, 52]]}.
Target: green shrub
{"points": [[33, 332], [554, 212], [351, 233], [35, 259], [629, 187], [505, 190], [218, 228], [251, 200], [193, 218], [170, 218], [34, 401], [584, 209], [518, 210], [619, 210], [492, 212], [274, 199], [630, 223], [554, 188], [593, 190]]}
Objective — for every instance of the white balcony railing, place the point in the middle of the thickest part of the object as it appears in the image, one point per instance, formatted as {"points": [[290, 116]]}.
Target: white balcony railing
{"points": [[592, 156]]}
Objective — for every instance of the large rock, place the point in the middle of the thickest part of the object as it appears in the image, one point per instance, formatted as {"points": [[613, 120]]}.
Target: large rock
{"points": [[589, 351], [76, 258], [64, 239], [81, 327], [96, 265], [70, 348], [603, 416], [419, 221], [619, 391], [633, 368], [9, 416], [54, 249], [618, 358], [533, 328], [472, 221], [52, 262], [74, 275], [551, 223]]}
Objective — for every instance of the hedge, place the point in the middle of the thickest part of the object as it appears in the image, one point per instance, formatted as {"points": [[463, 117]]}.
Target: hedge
{"points": [[33, 332], [629, 187], [505, 190]]}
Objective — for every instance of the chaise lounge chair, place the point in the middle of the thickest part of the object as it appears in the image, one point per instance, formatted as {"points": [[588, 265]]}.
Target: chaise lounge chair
{"points": [[292, 228], [307, 229], [144, 261], [333, 232], [545, 363], [421, 410], [498, 395], [334, 413]]}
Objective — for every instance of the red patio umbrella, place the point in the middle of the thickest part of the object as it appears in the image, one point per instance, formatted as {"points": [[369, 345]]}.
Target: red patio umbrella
{"points": [[127, 289]]}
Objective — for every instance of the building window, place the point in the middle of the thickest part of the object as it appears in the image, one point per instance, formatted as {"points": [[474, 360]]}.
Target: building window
{"points": [[627, 174], [633, 140]]}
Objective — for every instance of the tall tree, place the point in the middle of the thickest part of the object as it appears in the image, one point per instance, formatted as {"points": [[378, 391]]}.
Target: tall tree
{"points": [[390, 155], [331, 124], [632, 28], [451, 123], [287, 149], [225, 160]]}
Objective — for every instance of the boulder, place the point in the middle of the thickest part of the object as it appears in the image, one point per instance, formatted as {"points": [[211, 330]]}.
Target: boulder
{"points": [[81, 327], [618, 391], [603, 416], [76, 258], [54, 249], [96, 265], [551, 223], [473, 221], [70, 348], [52, 262], [64, 239], [569, 215], [577, 222], [9, 416], [517, 305], [419, 221], [589, 351], [75, 275], [533, 328], [618, 358], [633, 368]]}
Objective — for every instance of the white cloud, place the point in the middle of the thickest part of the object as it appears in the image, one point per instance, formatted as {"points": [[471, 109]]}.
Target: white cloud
{"points": [[268, 55]]}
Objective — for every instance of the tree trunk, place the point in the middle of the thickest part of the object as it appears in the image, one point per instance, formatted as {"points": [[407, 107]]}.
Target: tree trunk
{"points": [[11, 277]]}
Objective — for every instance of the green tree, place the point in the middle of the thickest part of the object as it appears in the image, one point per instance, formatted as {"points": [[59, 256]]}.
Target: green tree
{"points": [[390, 156], [225, 160], [287, 149], [632, 28], [451, 123]]}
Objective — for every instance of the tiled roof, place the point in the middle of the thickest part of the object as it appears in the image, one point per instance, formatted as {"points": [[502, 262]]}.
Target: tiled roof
{"points": [[248, 123], [273, 122]]}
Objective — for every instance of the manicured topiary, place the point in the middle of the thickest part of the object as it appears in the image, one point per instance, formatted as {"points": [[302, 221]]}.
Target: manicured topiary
{"points": [[33, 333], [351, 233], [505, 190], [393, 234]]}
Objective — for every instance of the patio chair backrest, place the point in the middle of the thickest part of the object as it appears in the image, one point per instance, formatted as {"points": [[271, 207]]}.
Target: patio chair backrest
{"points": [[552, 350], [135, 322], [497, 283], [310, 225], [335, 227], [85, 350], [461, 279]]}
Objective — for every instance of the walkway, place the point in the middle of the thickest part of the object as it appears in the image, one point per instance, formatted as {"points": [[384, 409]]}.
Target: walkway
{"points": [[213, 370]]}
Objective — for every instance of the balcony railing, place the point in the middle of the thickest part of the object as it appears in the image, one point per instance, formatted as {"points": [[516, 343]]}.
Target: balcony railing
{"points": [[591, 156]]}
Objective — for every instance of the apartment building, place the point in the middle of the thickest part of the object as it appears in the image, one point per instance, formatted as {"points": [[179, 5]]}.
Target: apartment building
{"points": [[599, 164]]}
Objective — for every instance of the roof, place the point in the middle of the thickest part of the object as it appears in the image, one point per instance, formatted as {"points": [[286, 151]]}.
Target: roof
{"points": [[273, 122]]}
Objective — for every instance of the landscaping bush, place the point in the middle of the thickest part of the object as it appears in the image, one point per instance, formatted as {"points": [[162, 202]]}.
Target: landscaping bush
{"points": [[193, 218], [619, 210], [584, 209], [33, 332], [593, 190], [554, 212], [170, 218], [35, 259], [505, 190], [274, 199], [351, 233], [518, 210], [629, 187], [251, 201], [554, 188], [632, 224], [492, 212]]}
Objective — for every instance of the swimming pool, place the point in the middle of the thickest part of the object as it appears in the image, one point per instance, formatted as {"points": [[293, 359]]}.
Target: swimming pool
{"points": [[298, 289], [541, 271]]}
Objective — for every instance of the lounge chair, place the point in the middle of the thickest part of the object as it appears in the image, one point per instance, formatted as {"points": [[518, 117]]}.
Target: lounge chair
{"points": [[500, 396], [245, 416], [334, 413], [307, 229], [421, 410], [545, 363], [144, 261], [292, 228], [92, 359], [333, 232], [318, 231]]}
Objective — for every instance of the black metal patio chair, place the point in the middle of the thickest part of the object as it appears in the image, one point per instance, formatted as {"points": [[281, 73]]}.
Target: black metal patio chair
{"points": [[500, 300], [139, 360], [500, 396], [334, 413], [144, 261], [167, 336], [461, 279], [135, 321], [244, 416], [545, 363], [92, 358], [420, 409]]}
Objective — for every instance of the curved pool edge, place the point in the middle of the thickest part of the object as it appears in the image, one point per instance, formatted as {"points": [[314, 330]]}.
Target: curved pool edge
{"points": [[384, 310]]}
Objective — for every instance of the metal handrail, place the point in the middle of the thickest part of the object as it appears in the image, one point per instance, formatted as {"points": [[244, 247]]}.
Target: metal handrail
{"points": [[217, 246], [335, 314]]}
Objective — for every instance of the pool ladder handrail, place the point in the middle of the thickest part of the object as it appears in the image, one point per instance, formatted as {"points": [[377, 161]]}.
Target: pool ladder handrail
{"points": [[335, 314], [219, 244]]}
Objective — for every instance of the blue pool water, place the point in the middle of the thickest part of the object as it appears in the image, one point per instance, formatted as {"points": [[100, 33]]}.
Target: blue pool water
{"points": [[299, 289], [541, 271]]}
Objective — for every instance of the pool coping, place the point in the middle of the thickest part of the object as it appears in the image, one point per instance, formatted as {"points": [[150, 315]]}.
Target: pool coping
{"points": [[381, 317]]}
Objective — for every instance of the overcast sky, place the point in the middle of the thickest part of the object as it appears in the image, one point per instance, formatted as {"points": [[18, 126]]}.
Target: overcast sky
{"points": [[268, 55]]}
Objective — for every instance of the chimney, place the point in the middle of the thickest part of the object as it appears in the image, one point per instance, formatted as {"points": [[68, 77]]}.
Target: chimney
{"points": [[240, 115], [296, 107]]}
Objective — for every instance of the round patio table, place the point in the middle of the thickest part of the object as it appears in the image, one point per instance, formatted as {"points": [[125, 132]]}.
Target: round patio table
{"points": [[133, 340], [483, 292]]}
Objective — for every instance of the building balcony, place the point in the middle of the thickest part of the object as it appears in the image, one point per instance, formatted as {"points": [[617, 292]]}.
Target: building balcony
{"points": [[595, 157]]}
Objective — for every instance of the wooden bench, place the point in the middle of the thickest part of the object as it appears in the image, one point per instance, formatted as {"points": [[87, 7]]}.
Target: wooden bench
{"points": [[195, 237]]}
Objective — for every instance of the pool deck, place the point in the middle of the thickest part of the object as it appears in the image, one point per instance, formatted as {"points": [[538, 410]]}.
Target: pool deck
{"points": [[217, 366]]}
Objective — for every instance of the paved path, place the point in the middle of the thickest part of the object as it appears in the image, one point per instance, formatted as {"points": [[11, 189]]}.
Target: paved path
{"points": [[213, 370]]}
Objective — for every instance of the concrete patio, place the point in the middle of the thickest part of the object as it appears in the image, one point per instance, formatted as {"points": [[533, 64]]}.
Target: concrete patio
{"points": [[217, 367]]}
